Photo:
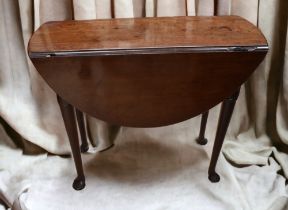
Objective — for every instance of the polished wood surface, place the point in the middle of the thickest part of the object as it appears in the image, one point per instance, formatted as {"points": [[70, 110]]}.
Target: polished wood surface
{"points": [[82, 130], [146, 72], [68, 115], [223, 123], [137, 33], [201, 138], [147, 90], [151, 88]]}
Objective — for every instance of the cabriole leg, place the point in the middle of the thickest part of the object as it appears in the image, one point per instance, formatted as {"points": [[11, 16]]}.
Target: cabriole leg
{"points": [[68, 115], [223, 123], [201, 139], [81, 125]]}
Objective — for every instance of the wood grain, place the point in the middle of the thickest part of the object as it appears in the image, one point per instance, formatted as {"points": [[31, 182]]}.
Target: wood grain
{"points": [[138, 33], [139, 73], [146, 89]]}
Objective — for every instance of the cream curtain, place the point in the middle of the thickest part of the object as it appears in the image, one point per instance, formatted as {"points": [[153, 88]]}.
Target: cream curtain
{"points": [[31, 119], [28, 106]]}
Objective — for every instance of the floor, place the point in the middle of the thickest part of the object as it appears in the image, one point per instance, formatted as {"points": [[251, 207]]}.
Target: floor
{"points": [[149, 169]]}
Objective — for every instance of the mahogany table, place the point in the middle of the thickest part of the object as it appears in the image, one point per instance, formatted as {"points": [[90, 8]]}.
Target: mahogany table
{"points": [[146, 72]]}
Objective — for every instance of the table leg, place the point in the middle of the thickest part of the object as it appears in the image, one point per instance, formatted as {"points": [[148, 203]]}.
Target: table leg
{"points": [[81, 125], [201, 139], [68, 115], [223, 123]]}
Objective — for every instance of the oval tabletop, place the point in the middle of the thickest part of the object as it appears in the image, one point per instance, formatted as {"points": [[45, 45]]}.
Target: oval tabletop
{"points": [[147, 72]]}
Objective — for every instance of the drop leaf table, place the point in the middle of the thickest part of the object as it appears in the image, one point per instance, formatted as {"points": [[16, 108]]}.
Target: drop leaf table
{"points": [[146, 72]]}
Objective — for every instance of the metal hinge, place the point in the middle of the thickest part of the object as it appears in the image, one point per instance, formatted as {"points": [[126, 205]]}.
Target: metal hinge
{"points": [[242, 49]]}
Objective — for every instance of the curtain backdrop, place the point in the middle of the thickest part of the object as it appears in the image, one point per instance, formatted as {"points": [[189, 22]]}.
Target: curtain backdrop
{"points": [[31, 119]]}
